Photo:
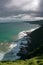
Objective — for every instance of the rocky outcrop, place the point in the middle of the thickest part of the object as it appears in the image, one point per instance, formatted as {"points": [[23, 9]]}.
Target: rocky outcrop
{"points": [[37, 37], [34, 41], [27, 45]]}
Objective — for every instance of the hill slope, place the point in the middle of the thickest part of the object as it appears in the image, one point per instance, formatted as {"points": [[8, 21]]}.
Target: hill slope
{"points": [[35, 55]]}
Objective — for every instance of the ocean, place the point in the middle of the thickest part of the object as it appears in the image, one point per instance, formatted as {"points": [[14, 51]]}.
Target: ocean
{"points": [[9, 31], [9, 35]]}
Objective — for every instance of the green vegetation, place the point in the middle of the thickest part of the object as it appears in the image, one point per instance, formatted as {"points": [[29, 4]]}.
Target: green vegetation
{"points": [[35, 55], [33, 61], [37, 60]]}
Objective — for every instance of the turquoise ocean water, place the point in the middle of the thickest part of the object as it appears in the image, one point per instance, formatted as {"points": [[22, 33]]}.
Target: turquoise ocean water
{"points": [[9, 46], [9, 31]]}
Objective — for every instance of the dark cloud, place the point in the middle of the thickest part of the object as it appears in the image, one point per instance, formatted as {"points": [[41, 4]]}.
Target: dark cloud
{"points": [[2, 2], [41, 6], [14, 10]]}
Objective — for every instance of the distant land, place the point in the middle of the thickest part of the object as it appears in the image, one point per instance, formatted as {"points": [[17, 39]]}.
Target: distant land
{"points": [[40, 22]]}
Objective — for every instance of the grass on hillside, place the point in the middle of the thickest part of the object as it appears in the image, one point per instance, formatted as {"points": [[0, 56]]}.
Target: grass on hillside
{"points": [[33, 61], [37, 60]]}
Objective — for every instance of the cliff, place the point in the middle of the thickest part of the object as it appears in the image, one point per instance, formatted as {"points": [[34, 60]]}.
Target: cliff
{"points": [[30, 46], [37, 37], [35, 47]]}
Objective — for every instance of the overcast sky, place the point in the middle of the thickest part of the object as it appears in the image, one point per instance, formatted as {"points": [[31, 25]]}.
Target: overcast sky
{"points": [[21, 9]]}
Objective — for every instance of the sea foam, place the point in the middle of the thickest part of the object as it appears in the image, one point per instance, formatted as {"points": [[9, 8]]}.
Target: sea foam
{"points": [[1, 55], [14, 47], [23, 33]]}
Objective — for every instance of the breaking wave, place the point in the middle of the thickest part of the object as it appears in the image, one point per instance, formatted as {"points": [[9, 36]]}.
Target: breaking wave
{"points": [[23, 33], [14, 47]]}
